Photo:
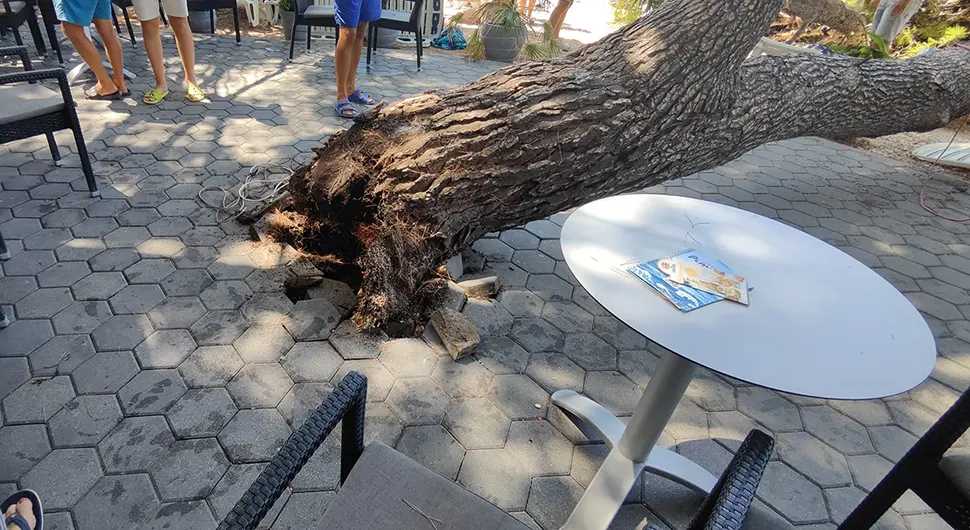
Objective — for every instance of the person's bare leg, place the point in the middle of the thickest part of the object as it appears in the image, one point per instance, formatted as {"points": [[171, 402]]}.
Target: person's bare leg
{"points": [[152, 37], [112, 47], [358, 45], [344, 58], [186, 46], [558, 16], [90, 54]]}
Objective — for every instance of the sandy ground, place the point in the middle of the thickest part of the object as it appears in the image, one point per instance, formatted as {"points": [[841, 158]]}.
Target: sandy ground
{"points": [[899, 146]]}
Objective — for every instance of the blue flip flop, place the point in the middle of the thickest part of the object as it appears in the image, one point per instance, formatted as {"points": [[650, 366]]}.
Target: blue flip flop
{"points": [[345, 109], [362, 97], [17, 519]]}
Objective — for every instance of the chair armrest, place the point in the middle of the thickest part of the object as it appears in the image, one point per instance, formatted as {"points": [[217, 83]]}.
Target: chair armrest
{"points": [[346, 404], [727, 505], [38, 75], [18, 50]]}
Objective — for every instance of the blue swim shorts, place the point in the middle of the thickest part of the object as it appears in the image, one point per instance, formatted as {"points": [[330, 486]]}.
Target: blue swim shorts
{"points": [[350, 13], [82, 12]]}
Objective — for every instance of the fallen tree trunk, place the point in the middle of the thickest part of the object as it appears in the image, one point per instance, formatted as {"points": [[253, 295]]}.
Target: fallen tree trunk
{"points": [[667, 96]]}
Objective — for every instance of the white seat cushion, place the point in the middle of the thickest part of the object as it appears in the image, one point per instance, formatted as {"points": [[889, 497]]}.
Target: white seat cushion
{"points": [[318, 12], [397, 16], [23, 101], [956, 466], [15, 7]]}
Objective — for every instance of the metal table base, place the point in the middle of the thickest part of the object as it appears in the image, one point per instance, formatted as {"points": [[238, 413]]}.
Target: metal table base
{"points": [[634, 446]]}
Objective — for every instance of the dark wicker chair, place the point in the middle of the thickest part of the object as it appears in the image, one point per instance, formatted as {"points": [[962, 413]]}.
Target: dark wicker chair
{"points": [[15, 13], [939, 476], [312, 16], [49, 14], [400, 21], [211, 6], [384, 490], [31, 109]]}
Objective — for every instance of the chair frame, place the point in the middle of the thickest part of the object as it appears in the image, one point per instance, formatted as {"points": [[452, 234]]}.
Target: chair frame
{"points": [[211, 6], [310, 22], [47, 124], [724, 509], [413, 25], [123, 5], [49, 15], [919, 470], [28, 15]]}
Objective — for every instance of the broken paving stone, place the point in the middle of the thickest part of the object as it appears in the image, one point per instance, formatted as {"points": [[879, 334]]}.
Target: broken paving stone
{"points": [[457, 332], [353, 343], [337, 293], [482, 288], [312, 320], [454, 297]]}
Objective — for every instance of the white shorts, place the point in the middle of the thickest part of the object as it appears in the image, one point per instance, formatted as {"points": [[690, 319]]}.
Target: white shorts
{"points": [[148, 9]]}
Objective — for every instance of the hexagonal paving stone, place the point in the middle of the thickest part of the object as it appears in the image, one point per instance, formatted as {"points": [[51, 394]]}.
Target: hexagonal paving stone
{"points": [[501, 355], [263, 343], [495, 476], [587, 460], [61, 355], [551, 499], [165, 348], [176, 312], [24, 336], [553, 371], [493, 249], [302, 399], [206, 460], [312, 320], [267, 308], [352, 343], [891, 441], [533, 261], [62, 489], [408, 358], [136, 299], [24, 446], [123, 501], [105, 372], [14, 372], [127, 237], [314, 362], [614, 391], [589, 351], [491, 317], [28, 262], [621, 336], [254, 435], [519, 239], [113, 260], [434, 448], [259, 385], [210, 366], [868, 470], [82, 317], [186, 282], [537, 335], [304, 510], [567, 316], [477, 423], [190, 514], [99, 285], [231, 267], [519, 397], [521, 303], [842, 433], [539, 448], [769, 408], [151, 392], [84, 421], [379, 379], [234, 484], [418, 401], [463, 378], [229, 294], [122, 332], [219, 327], [136, 444], [201, 412], [550, 287], [13, 288], [149, 271], [337, 293], [44, 303], [792, 494], [37, 400]]}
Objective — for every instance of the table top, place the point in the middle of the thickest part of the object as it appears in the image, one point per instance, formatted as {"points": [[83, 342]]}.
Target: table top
{"points": [[819, 323]]}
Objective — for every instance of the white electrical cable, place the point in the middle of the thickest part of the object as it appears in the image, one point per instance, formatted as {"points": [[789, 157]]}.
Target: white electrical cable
{"points": [[240, 202]]}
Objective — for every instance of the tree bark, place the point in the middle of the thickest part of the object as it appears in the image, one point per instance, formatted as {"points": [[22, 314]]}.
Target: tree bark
{"points": [[413, 183]]}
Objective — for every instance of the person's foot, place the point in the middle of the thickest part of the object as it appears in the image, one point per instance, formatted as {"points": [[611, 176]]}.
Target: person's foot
{"points": [[103, 93], [193, 93], [361, 97], [155, 96], [25, 509]]}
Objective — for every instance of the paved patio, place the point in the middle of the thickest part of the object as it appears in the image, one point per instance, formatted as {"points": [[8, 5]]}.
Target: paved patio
{"points": [[154, 365]]}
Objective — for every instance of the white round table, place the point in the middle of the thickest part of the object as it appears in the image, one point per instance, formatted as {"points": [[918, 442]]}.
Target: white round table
{"points": [[819, 324]]}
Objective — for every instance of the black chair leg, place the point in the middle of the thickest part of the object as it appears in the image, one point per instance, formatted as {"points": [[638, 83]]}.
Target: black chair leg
{"points": [[309, 35], [55, 44], [371, 31], [82, 151], [4, 321], [114, 18], [4, 254], [16, 36], [235, 21], [420, 48], [55, 154], [131, 30], [161, 13], [3, 34], [296, 22], [35, 33], [212, 21]]}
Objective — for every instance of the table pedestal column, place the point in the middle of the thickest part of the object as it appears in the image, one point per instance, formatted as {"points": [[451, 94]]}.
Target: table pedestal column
{"points": [[634, 445]]}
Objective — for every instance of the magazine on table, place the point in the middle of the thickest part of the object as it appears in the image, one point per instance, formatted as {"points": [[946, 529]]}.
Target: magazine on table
{"points": [[691, 280]]}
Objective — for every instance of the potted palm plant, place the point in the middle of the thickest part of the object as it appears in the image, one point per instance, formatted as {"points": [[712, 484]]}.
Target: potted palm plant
{"points": [[505, 34]]}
